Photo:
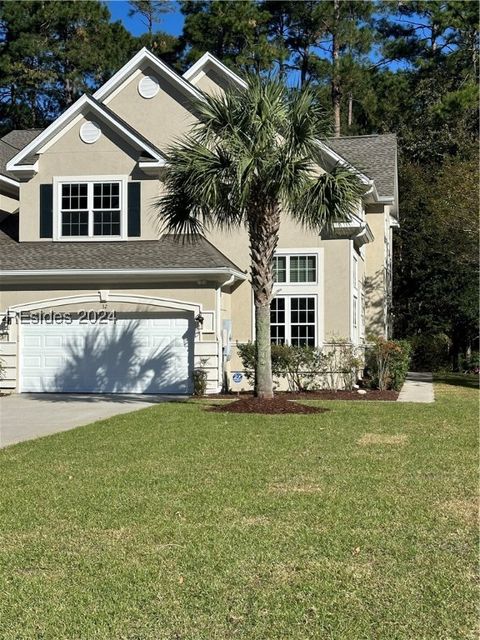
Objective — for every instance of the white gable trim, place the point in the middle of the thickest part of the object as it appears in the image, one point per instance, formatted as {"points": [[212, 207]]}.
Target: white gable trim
{"points": [[195, 71], [60, 126], [10, 181], [144, 55]]}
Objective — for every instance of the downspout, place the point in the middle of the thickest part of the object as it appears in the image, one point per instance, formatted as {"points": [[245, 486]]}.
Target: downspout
{"points": [[218, 328]]}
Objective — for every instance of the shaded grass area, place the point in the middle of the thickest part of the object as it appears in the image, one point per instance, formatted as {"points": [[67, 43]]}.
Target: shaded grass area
{"points": [[178, 523]]}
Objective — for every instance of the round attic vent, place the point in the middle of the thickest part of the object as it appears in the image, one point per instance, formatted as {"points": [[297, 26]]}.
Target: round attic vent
{"points": [[90, 132], [148, 87]]}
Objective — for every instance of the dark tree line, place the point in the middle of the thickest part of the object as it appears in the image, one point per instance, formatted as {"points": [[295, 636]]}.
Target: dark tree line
{"points": [[380, 66]]}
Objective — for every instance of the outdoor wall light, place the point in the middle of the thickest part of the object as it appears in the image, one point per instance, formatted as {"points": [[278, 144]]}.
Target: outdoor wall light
{"points": [[199, 321]]}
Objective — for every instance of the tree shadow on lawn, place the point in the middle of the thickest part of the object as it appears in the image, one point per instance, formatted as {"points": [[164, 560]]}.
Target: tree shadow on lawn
{"points": [[470, 381]]}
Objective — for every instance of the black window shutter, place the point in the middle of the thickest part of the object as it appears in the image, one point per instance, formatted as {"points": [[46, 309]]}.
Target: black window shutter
{"points": [[46, 211], [134, 209]]}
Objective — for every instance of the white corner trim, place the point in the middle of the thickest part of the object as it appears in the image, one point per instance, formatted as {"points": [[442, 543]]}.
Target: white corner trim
{"points": [[193, 73], [144, 55], [60, 124]]}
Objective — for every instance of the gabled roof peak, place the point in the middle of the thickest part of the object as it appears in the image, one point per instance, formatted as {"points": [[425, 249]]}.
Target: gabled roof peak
{"points": [[209, 59], [21, 161], [140, 59]]}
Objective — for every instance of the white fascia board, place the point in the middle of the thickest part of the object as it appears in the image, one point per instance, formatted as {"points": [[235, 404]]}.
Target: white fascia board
{"points": [[61, 122], [144, 55], [10, 181], [152, 166], [134, 273], [207, 59]]}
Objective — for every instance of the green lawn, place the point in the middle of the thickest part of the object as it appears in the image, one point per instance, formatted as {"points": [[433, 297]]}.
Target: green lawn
{"points": [[175, 523]]}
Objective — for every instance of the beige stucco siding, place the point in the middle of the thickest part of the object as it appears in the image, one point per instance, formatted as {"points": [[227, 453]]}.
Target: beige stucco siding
{"points": [[161, 119], [337, 288], [375, 284], [211, 82], [70, 156]]}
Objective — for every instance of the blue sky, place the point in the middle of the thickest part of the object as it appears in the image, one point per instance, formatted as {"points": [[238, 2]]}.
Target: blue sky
{"points": [[171, 22]]}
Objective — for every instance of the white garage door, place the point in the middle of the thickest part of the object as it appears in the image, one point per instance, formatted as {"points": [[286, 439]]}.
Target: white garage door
{"points": [[131, 355]]}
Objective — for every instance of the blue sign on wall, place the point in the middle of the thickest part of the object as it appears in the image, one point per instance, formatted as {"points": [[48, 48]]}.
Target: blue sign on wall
{"points": [[237, 377]]}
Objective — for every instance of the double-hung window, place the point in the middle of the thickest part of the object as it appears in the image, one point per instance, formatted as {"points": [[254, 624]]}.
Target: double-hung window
{"points": [[295, 269], [90, 209], [293, 320]]}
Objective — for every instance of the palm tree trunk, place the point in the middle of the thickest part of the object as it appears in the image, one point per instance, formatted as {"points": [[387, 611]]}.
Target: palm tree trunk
{"points": [[263, 364], [263, 234]]}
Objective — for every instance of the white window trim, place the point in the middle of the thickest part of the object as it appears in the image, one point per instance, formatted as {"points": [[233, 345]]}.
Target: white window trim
{"points": [[355, 273], [288, 317], [300, 289], [293, 253], [57, 185]]}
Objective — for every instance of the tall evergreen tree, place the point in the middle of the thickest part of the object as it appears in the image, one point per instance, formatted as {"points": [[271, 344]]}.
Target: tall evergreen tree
{"points": [[233, 30], [151, 12], [327, 41], [50, 53]]}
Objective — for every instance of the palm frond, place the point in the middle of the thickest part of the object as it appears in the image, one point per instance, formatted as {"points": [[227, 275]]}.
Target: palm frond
{"points": [[320, 201]]}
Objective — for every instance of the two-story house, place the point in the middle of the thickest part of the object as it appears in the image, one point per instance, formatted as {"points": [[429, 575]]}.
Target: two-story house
{"points": [[94, 298]]}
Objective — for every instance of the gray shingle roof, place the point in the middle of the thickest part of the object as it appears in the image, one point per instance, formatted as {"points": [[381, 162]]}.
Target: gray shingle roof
{"points": [[375, 156], [19, 138], [11, 144], [165, 253]]}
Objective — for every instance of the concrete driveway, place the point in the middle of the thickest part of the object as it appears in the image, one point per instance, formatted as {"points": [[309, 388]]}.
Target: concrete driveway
{"points": [[31, 415]]}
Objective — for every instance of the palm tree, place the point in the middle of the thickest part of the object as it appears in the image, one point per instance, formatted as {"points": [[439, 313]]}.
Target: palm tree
{"points": [[253, 154]]}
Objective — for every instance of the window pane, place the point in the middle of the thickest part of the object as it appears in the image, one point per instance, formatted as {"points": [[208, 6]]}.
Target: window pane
{"points": [[74, 196], [303, 268], [302, 321], [277, 321], [280, 269], [106, 195], [74, 223], [106, 223]]}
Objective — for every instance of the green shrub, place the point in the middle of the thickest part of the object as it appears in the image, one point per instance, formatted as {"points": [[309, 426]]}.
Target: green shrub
{"points": [[471, 363], [430, 352], [388, 362], [199, 382], [246, 351], [300, 366], [343, 362]]}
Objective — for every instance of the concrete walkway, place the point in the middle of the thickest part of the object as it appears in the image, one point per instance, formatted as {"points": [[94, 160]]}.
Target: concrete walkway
{"points": [[25, 416], [418, 387]]}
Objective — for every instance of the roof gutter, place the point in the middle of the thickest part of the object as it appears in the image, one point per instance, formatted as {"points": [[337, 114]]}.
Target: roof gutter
{"points": [[72, 274]]}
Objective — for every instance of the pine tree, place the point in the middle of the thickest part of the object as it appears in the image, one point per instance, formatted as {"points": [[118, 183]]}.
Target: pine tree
{"points": [[52, 52], [235, 31]]}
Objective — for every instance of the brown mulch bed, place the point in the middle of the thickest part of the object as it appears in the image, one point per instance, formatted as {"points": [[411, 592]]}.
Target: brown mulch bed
{"points": [[280, 404], [372, 394]]}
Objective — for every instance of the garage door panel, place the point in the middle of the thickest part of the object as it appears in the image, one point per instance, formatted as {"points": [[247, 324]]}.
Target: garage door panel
{"points": [[133, 355]]}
